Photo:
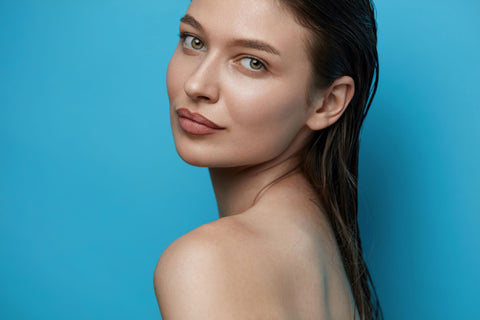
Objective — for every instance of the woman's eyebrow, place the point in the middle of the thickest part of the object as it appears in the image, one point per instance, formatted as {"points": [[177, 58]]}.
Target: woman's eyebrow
{"points": [[247, 43], [188, 19], [255, 44]]}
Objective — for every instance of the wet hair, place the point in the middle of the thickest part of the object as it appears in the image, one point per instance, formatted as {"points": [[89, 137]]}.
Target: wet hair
{"points": [[342, 42]]}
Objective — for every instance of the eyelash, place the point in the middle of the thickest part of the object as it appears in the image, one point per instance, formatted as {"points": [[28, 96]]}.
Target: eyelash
{"points": [[262, 67], [184, 35]]}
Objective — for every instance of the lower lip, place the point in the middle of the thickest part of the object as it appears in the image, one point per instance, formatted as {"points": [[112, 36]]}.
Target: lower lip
{"points": [[195, 128]]}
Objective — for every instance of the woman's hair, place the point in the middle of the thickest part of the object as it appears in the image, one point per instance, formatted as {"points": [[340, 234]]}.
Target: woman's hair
{"points": [[342, 42]]}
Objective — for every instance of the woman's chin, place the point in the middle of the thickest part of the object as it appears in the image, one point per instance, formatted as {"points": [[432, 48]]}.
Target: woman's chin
{"points": [[209, 159], [196, 162], [196, 158]]}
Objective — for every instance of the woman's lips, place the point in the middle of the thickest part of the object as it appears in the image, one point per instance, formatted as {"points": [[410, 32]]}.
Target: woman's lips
{"points": [[195, 123]]}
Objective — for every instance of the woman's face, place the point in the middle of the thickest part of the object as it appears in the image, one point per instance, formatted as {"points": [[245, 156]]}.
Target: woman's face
{"points": [[243, 66]]}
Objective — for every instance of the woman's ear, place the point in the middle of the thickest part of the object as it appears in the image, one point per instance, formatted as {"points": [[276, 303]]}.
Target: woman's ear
{"points": [[331, 103]]}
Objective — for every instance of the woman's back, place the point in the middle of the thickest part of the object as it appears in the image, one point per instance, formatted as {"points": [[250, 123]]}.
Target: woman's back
{"points": [[278, 260]]}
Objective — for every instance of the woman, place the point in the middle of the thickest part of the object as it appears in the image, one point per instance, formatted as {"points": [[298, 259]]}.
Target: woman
{"points": [[270, 95]]}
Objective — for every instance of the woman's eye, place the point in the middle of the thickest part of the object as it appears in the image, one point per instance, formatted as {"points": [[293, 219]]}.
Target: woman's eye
{"points": [[193, 43], [252, 63]]}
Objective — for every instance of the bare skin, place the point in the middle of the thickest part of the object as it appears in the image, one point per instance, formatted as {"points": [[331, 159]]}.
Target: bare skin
{"points": [[276, 260], [272, 253]]}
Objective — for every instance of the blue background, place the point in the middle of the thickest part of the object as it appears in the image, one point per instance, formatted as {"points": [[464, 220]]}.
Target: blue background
{"points": [[92, 191]]}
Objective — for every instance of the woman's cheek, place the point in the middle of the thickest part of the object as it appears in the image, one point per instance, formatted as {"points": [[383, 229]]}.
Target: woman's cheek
{"points": [[276, 113], [253, 103], [177, 74]]}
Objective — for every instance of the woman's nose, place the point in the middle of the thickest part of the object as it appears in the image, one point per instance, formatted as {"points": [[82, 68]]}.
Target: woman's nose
{"points": [[202, 85]]}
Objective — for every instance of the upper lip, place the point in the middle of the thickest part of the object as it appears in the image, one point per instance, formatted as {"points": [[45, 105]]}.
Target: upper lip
{"points": [[185, 113]]}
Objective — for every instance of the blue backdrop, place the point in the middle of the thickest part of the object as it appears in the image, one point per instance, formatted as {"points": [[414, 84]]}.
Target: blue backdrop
{"points": [[92, 191]]}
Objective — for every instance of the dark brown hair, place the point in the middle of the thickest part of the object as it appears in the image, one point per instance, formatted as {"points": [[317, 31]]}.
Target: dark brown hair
{"points": [[343, 41]]}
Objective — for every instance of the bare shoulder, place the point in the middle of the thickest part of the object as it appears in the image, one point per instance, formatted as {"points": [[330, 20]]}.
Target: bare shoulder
{"points": [[251, 267], [212, 273]]}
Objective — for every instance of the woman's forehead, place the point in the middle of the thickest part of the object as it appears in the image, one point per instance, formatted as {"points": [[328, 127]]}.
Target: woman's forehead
{"points": [[251, 19]]}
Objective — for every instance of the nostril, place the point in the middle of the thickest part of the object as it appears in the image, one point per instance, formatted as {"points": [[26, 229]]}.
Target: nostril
{"points": [[205, 94], [203, 98]]}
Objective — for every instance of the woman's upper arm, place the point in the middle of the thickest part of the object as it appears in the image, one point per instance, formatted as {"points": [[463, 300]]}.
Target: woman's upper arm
{"points": [[216, 273], [190, 282]]}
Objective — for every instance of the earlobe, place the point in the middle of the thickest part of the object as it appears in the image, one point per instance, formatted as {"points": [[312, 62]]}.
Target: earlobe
{"points": [[332, 103]]}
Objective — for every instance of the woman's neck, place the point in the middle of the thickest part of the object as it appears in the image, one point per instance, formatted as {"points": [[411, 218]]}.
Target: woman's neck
{"points": [[237, 189]]}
